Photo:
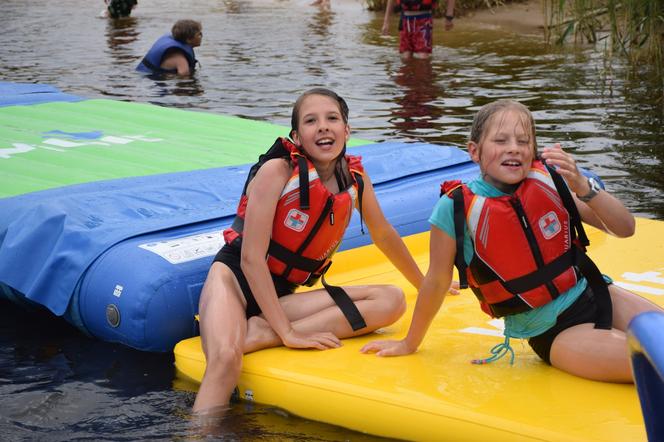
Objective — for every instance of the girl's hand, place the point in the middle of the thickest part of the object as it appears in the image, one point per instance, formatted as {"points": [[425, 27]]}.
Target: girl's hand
{"points": [[454, 288], [388, 348], [566, 166], [320, 340]]}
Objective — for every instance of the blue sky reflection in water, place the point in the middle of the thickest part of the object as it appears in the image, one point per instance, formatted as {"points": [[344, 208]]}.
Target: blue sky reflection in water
{"points": [[256, 57]]}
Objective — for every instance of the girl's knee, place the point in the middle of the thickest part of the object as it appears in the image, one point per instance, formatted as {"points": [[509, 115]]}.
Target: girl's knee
{"points": [[224, 361], [395, 301]]}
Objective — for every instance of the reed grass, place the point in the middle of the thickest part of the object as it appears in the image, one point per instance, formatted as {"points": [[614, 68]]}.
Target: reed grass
{"points": [[633, 28]]}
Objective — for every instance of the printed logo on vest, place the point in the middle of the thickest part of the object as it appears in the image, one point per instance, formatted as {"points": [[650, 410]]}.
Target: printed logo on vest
{"points": [[549, 225], [296, 220]]}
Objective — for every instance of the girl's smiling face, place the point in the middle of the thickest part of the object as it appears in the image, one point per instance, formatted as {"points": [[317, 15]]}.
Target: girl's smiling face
{"points": [[322, 131], [505, 151]]}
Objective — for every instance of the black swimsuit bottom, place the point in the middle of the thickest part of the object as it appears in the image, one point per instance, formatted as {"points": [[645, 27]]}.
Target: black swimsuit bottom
{"points": [[230, 255]]}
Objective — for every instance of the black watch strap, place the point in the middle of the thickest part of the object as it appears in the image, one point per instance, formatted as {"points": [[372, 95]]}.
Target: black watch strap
{"points": [[592, 193]]}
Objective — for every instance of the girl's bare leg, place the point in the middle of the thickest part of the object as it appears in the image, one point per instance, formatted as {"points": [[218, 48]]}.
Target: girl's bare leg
{"points": [[601, 355], [223, 326], [591, 353], [626, 305], [315, 311]]}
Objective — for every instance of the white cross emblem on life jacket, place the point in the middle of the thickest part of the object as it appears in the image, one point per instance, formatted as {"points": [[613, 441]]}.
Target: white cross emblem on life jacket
{"points": [[296, 220], [549, 225]]}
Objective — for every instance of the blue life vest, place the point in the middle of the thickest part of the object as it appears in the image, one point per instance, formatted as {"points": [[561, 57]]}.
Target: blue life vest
{"points": [[151, 63]]}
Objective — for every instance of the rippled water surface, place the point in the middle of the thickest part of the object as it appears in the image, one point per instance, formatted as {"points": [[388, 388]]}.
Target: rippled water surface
{"points": [[256, 57]]}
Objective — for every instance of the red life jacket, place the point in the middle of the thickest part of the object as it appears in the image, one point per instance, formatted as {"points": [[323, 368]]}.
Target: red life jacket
{"points": [[525, 244], [307, 229], [414, 5]]}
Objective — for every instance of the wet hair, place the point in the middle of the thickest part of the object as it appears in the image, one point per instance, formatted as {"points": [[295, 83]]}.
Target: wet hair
{"points": [[485, 115], [184, 30], [295, 116]]}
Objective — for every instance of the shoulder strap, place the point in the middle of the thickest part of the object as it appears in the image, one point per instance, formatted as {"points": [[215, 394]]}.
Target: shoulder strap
{"points": [[360, 192], [570, 206], [586, 265], [303, 168], [282, 148], [276, 151], [459, 229], [449, 186]]}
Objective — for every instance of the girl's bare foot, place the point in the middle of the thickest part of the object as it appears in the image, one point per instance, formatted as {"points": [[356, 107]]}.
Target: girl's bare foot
{"points": [[259, 335]]}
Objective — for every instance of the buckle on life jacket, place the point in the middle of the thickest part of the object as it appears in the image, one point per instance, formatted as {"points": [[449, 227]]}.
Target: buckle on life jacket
{"points": [[294, 260]]}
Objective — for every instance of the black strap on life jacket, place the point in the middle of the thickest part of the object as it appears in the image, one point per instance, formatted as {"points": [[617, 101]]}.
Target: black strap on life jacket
{"points": [[290, 258], [304, 182], [459, 228], [586, 265], [344, 302], [566, 196], [360, 192], [295, 259], [338, 294], [277, 150], [575, 256]]}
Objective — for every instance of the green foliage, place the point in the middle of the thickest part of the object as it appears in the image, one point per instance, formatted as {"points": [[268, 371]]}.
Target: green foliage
{"points": [[634, 28]]}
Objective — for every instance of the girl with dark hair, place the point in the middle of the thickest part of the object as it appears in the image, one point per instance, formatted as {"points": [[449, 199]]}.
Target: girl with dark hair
{"points": [[292, 215]]}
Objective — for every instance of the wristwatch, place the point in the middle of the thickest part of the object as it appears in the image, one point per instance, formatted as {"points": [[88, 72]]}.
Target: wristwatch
{"points": [[449, 17], [594, 190]]}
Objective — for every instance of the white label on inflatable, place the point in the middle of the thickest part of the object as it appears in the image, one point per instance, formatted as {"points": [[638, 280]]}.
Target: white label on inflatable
{"points": [[497, 330], [639, 288], [187, 248]]}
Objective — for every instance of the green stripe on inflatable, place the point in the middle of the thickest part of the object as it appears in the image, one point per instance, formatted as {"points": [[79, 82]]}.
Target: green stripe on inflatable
{"points": [[56, 144]]}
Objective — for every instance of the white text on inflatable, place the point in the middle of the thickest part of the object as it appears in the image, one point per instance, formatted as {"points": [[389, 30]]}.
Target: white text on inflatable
{"points": [[62, 145]]}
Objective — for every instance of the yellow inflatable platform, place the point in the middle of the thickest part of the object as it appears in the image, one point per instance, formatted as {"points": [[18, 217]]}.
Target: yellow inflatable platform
{"points": [[436, 393]]}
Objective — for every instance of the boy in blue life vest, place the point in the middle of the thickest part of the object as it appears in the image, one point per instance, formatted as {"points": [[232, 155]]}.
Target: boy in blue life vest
{"points": [[173, 53], [416, 25], [547, 290]]}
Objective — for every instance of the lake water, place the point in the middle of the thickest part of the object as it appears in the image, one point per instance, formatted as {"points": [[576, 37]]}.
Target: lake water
{"points": [[256, 57]]}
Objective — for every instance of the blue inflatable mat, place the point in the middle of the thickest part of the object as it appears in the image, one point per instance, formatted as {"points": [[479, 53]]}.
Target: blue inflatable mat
{"points": [[50, 237], [644, 335], [12, 94], [103, 252]]}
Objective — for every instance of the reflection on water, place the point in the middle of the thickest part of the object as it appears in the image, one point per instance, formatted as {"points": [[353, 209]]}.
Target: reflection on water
{"points": [[418, 108], [120, 34], [256, 57], [58, 385], [168, 84]]}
